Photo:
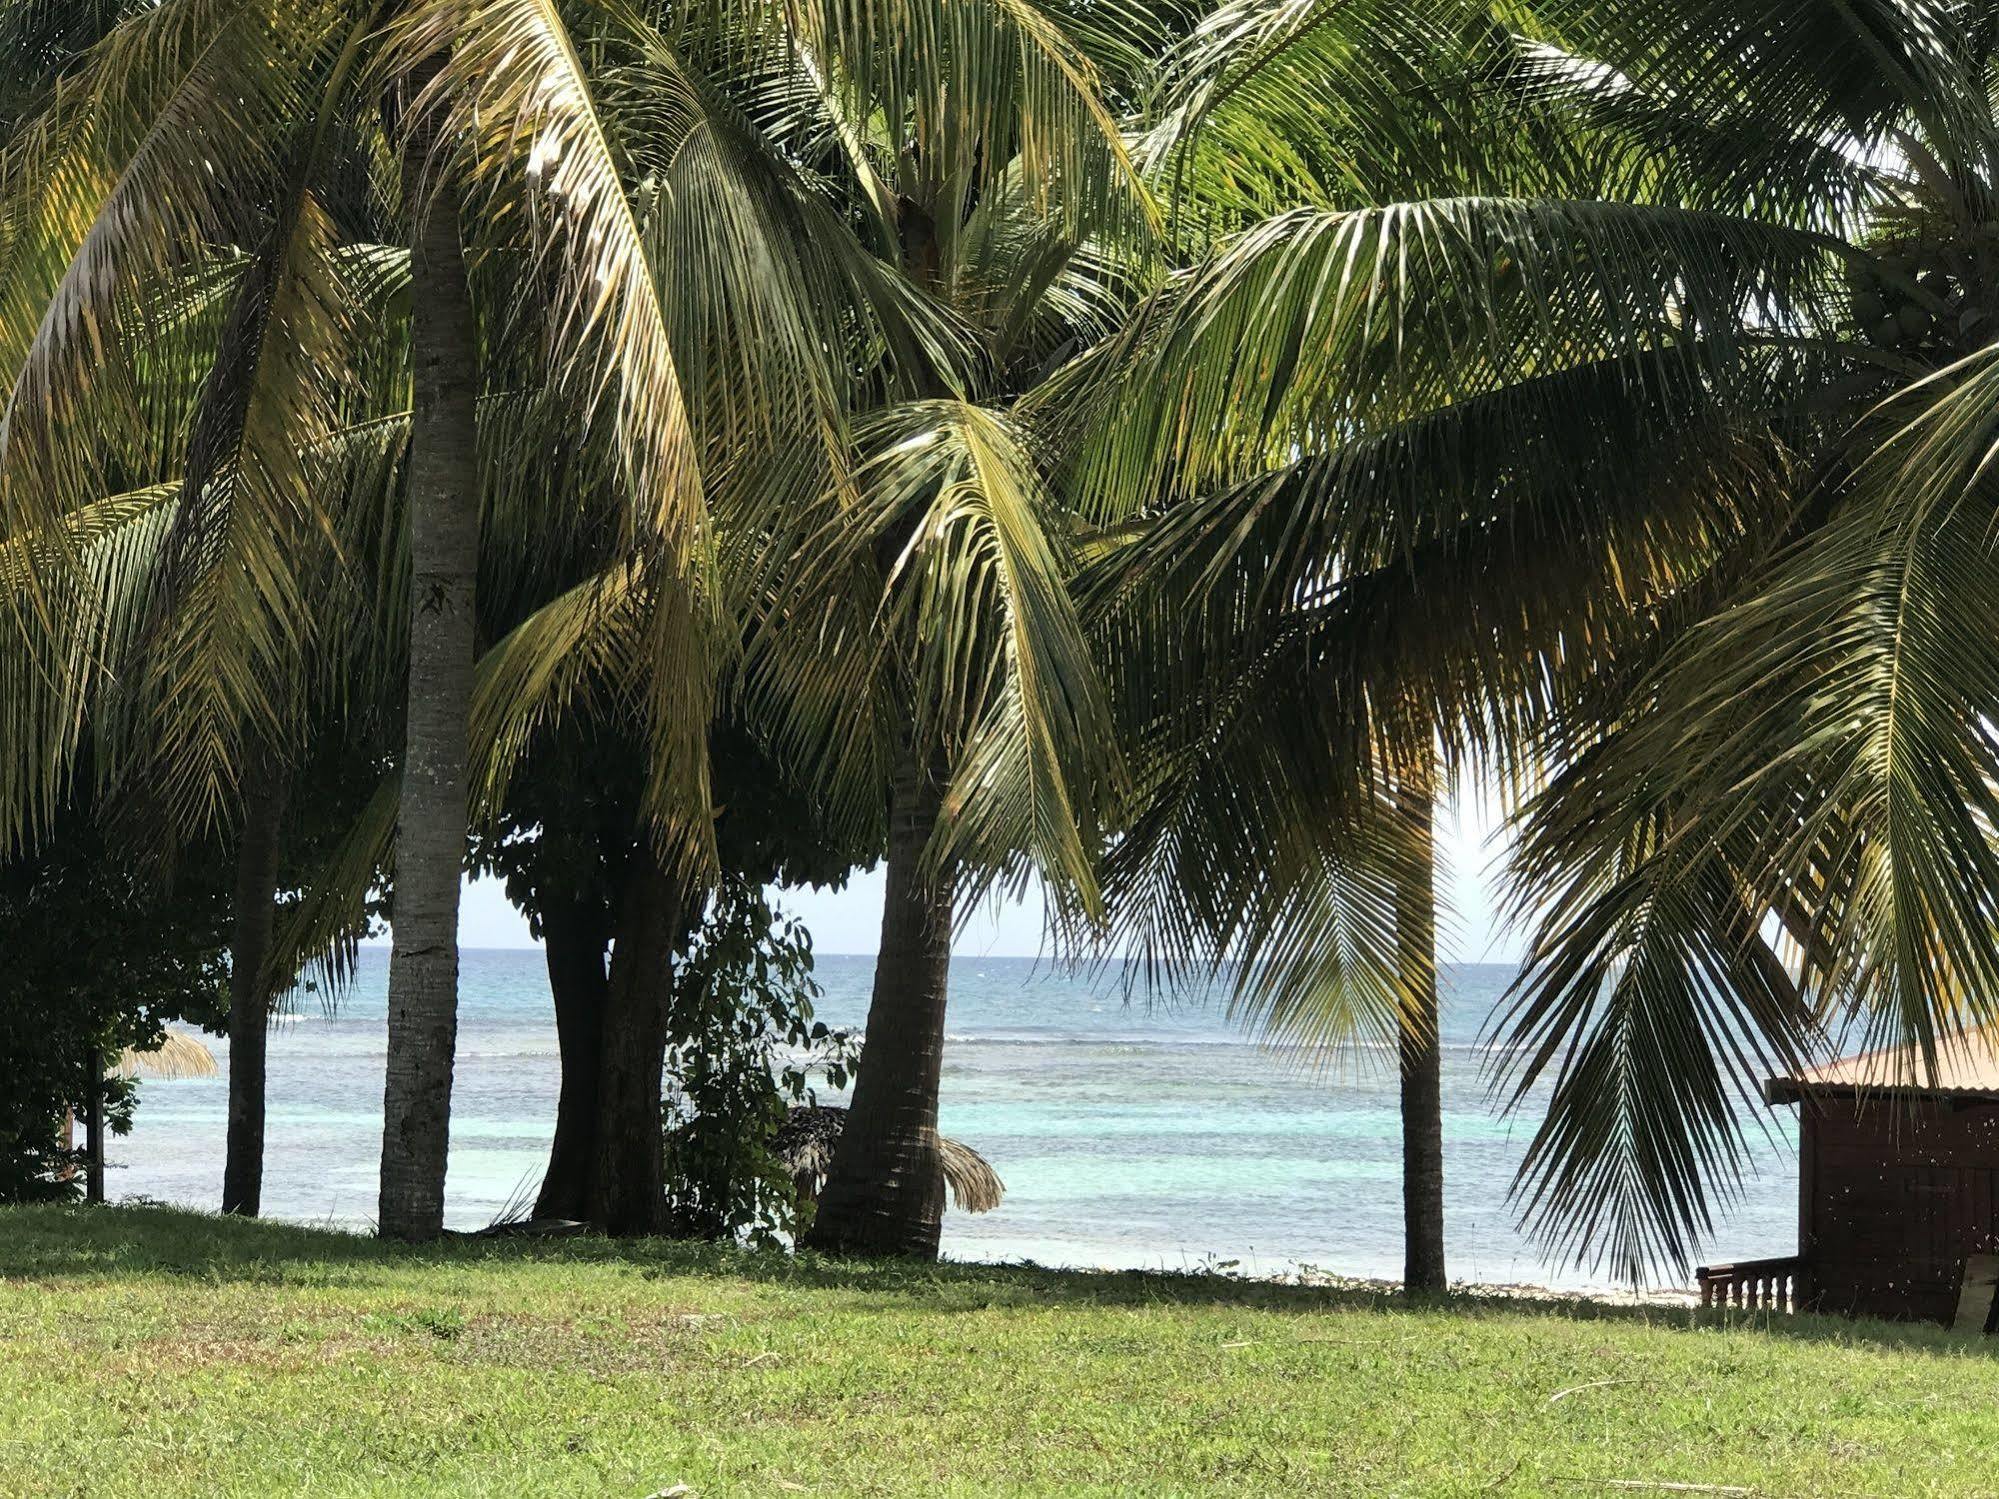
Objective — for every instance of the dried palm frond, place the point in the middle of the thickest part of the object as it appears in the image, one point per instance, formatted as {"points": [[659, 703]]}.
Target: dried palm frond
{"points": [[805, 1142], [975, 1186], [175, 1058]]}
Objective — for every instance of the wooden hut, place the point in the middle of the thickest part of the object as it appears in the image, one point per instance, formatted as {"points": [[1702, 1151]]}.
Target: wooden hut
{"points": [[1898, 1188]]}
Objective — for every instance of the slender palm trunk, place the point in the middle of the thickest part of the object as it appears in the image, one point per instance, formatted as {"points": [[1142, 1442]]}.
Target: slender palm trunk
{"points": [[885, 1192], [575, 936], [1422, 1052], [628, 1185], [431, 828], [93, 1132], [251, 919]]}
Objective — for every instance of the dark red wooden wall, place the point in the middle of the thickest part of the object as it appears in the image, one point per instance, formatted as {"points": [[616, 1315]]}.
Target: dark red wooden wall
{"points": [[1892, 1199]]}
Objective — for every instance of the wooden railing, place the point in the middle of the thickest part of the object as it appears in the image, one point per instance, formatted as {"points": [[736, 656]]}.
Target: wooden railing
{"points": [[1755, 1285]]}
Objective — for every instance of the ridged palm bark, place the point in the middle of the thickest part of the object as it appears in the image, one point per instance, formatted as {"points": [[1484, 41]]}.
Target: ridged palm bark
{"points": [[264, 795], [1421, 1045], [884, 1194], [431, 828]]}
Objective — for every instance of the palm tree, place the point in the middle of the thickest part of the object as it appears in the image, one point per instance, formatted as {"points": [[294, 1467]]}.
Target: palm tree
{"points": [[1691, 545], [444, 505], [902, 583], [1267, 444], [1412, 458], [1772, 823], [192, 123]]}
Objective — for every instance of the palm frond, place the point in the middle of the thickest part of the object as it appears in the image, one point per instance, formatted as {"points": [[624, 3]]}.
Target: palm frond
{"points": [[977, 595], [1653, 1008], [942, 99], [1318, 325], [115, 184]]}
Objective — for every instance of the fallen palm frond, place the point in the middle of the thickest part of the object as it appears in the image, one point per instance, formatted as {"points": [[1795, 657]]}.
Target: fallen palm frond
{"points": [[806, 1139]]}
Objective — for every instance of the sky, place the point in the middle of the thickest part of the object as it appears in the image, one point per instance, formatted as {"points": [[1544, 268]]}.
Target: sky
{"points": [[849, 920]]}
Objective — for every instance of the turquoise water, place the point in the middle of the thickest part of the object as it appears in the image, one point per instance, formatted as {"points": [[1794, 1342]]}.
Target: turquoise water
{"points": [[1127, 1135]]}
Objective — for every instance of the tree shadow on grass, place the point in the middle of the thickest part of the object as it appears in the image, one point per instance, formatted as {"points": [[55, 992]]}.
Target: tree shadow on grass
{"points": [[138, 1241]]}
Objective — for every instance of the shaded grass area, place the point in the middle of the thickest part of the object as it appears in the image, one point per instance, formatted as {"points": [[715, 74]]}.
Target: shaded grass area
{"points": [[147, 1351]]}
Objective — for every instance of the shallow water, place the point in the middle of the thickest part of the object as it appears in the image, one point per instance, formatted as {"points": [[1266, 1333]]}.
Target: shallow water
{"points": [[1127, 1135]]}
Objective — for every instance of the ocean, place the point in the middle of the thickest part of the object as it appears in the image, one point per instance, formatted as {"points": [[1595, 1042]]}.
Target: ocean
{"points": [[1128, 1135]]}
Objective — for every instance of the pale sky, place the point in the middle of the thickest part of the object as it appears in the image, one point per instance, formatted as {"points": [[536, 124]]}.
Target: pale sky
{"points": [[849, 921]]}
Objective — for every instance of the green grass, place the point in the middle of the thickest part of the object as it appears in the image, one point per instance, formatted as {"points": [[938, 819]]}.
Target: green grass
{"points": [[147, 1352]]}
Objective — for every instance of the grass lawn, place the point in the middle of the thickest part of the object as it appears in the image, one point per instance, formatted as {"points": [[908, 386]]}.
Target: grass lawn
{"points": [[147, 1352]]}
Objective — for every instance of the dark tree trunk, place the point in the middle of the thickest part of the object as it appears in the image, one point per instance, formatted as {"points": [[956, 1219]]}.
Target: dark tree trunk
{"points": [[885, 1192], [575, 934], [431, 827], [628, 1187], [251, 917], [1422, 1051], [93, 1132]]}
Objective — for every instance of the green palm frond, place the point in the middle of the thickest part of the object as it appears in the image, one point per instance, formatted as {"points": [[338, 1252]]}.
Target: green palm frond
{"points": [[935, 579], [1268, 105], [1653, 1008], [95, 582], [583, 649], [1455, 573], [939, 100], [1811, 762], [1319, 325], [320, 926], [513, 86], [235, 605], [1834, 70], [1000, 663], [1257, 849], [109, 189], [1589, 123], [772, 301]]}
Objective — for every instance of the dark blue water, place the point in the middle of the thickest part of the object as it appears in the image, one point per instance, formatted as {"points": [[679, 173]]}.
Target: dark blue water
{"points": [[1127, 1135]]}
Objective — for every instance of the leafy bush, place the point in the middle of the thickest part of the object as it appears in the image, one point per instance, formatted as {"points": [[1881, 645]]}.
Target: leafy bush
{"points": [[100, 955], [743, 1046]]}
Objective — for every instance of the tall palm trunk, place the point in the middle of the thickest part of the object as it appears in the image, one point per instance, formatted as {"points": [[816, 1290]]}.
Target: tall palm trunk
{"points": [[1422, 1051], [575, 934], [251, 919], [93, 1132], [431, 827], [628, 1184], [885, 1192]]}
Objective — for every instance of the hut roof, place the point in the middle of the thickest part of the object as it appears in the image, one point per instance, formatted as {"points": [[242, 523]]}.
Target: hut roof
{"points": [[1967, 1066]]}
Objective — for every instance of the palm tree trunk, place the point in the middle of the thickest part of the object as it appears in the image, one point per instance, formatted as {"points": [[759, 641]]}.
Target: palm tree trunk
{"points": [[93, 1132], [1422, 1051], [628, 1185], [575, 936], [252, 917], [431, 827], [885, 1192]]}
